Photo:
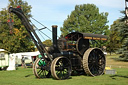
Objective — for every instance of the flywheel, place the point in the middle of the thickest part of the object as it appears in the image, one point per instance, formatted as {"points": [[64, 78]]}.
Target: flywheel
{"points": [[82, 45]]}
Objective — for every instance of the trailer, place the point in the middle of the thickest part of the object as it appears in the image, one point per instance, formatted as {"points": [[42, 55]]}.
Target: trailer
{"points": [[4, 59], [69, 54]]}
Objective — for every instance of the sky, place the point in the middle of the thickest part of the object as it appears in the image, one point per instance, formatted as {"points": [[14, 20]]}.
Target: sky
{"points": [[54, 12]]}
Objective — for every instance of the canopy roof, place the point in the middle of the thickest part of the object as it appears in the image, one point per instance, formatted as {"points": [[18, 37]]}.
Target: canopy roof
{"points": [[76, 35], [2, 50]]}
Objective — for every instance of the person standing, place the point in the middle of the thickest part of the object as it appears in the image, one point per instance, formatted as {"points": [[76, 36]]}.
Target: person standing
{"points": [[23, 62]]}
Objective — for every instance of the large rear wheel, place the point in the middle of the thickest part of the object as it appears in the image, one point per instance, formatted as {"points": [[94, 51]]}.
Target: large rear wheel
{"points": [[94, 62]]}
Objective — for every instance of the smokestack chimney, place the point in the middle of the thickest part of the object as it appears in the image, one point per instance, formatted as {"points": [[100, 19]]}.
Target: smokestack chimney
{"points": [[54, 37]]}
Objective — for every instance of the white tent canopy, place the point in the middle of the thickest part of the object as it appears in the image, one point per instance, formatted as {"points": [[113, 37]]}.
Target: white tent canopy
{"points": [[26, 54], [2, 50]]}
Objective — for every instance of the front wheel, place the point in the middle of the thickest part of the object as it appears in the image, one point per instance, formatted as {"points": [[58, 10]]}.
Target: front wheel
{"points": [[41, 68], [61, 68]]}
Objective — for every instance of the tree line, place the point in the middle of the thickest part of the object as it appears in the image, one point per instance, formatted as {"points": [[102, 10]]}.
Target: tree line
{"points": [[85, 18]]}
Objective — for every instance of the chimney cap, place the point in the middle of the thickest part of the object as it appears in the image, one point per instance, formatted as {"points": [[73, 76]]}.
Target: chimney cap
{"points": [[54, 26]]}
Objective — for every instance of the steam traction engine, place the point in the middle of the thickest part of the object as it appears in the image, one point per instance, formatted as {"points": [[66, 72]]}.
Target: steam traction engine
{"points": [[70, 54]]}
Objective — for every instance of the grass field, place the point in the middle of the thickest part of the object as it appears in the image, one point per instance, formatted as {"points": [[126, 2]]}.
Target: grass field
{"points": [[24, 76], [114, 61]]}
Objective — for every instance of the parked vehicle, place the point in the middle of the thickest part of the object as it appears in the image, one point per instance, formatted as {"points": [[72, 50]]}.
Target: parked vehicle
{"points": [[4, 59]]}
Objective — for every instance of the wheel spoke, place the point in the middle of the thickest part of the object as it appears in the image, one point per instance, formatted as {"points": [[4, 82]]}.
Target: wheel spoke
{"points": [[90, 66], [39, 71]]}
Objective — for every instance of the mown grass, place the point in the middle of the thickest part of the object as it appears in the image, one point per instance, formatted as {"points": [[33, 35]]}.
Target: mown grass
{"points": [[114, 61], [24, 76]]}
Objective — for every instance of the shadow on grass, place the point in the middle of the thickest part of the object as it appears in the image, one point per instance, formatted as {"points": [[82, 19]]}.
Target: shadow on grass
{"points": [[62, 79], [113, 76], [29, 75], [47, 77]]}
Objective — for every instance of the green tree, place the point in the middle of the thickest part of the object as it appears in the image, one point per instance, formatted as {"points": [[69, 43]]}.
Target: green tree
{"points": [[18, 40], [48, 43], [124, 39], [114, 40], [123, 32], [86, 19]]}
